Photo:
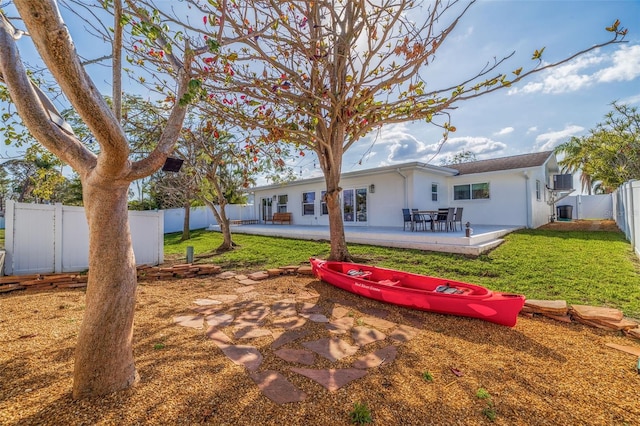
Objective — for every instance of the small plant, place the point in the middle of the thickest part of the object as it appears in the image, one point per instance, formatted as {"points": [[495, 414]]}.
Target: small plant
{"points": [[483, 394], [360, 322], [427, 376], [489, 412], [158, 346], [360, 414]]}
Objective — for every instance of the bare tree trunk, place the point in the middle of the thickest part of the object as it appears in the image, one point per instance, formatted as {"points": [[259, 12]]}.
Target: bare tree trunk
{"points": [[104, 357], [186, 222], [225, 230], [339, 249]]}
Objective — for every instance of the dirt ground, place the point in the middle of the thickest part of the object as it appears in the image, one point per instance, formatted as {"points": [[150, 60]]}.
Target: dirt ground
{"points": [[582, 225], [540, 372]]}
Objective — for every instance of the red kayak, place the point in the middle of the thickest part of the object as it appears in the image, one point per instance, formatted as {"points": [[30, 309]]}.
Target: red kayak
{"points": [[420, 291]]}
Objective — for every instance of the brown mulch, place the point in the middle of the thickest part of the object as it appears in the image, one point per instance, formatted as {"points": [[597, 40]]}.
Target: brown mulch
{"points": [[540, 372], [582, 225]]}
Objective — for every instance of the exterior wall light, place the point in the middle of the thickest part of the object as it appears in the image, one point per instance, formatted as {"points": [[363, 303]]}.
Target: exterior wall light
{"points": [[372, 188]]}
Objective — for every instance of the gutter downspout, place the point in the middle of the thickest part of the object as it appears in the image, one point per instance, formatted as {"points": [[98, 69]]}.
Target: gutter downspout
{"points": [[405, 189], [528, 198]]}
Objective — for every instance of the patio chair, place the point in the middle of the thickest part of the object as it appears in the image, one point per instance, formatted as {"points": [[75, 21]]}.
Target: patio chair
{"points": [[445, 218], [419, 219], [407, 219], [457, 218]]}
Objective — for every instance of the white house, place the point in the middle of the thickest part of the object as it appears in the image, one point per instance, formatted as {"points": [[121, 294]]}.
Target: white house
{"points": [[519, 190]]}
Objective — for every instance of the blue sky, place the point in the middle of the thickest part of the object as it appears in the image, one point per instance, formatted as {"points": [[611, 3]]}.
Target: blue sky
{"points": [[539, 113], [535, 115]]}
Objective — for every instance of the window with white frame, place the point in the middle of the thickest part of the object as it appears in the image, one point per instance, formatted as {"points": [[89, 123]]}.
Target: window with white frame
{"points": [[324, 210], [308, 203], [538, 190], [282, 203], [473, 191], [354, 205], [434, 192]]}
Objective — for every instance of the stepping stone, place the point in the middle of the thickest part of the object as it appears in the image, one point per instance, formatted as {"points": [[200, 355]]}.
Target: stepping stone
{"points": [[305, 270], [248, 282], [332, 379], [331, 348], [378, 358], [252, 295], [311, 308], [339, 312], [306, 295], [224, 298], [207, 302], [218, 336], [365, 335], [227, 274], [340, 325], [257, 276], [597, 313], [553, 307], [207, 310], [284, 308], [245, 289], [276, 387], [296, 355], [219, 320], [404, 333], [247, 356], [315, 317], [288, 337], [241, 277], [380, 313], [251, 332], [253, 316], [379, 323], [289, 323], [191, 321]]}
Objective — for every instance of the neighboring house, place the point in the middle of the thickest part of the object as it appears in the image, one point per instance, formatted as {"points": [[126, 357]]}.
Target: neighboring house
{"points": [[515, 191]]}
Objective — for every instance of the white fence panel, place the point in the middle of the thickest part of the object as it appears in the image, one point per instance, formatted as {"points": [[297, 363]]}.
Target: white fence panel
{"points": [[598, 206], [55, 238], [627, 212], [201, 217]]}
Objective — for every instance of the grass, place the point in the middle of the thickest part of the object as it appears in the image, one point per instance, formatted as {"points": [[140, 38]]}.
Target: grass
{"points": [[581, 267]]}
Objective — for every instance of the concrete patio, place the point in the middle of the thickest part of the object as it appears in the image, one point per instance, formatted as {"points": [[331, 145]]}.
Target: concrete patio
{"points": [[482, 239]]}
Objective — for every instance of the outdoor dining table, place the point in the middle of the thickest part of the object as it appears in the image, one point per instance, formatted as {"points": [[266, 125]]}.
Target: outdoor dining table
{"points": [[433, 216]]}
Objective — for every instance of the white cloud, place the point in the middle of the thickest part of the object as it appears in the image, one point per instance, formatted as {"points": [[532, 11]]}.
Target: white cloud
{"points": [[504, 131], [621, 65], [532, 129], [548, 141]]}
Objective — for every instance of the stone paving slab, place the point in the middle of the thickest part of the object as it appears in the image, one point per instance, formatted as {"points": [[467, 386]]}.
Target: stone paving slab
{"points": [[284, 308], [219, 320], [277, 388], [224, 298], [191, 321], [331, 348], [315, 317], [332, 379], [258, 276], [288, 337], [378, 358], [340, 325], [250, 332], [207, 302], [364, 335], [218, 336], [245, 289], [226, 275], [253, 316], [207, 310], [376, 312], [311, 308], [404, 333], [300, 356], [247, 356], [289, 323], [379, 323], [339, 311]]}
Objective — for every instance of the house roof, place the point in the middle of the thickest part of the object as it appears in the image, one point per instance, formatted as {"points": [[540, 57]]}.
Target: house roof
{"points": [[505, 163]]}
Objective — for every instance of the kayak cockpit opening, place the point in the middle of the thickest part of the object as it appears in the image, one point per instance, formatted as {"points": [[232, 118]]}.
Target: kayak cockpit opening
{"points": [[358, 273]]}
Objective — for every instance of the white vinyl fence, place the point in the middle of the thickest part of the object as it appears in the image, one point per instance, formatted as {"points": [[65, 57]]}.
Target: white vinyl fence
{"points": [[55, 238], [202, 217], [589, 206], [626, 209]]}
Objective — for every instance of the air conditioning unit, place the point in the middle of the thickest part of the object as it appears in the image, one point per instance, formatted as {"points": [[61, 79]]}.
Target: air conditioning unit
{"points": [[563, 182]]}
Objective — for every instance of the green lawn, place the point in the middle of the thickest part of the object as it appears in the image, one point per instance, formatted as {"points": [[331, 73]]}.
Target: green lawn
{"points": [[592, 268]]}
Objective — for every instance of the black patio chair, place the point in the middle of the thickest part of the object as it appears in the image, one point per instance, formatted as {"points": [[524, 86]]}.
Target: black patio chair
{"points": [[407, 219], [445, 218], [457, 218], [419, 219]]}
